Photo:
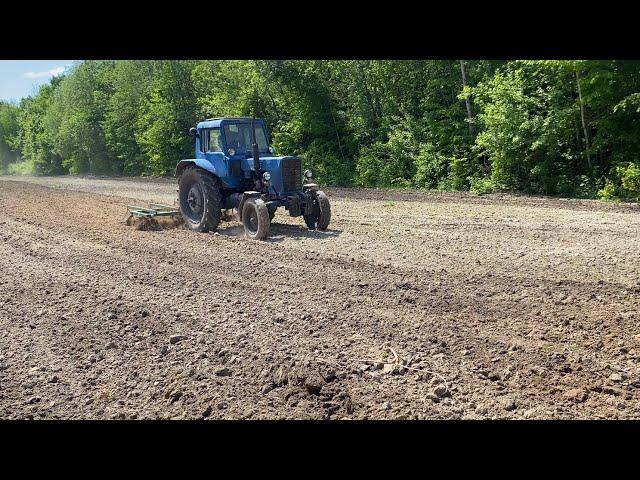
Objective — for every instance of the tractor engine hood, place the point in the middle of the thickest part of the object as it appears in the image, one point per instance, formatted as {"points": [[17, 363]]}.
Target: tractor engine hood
{"points": [[269, 163], [286, 172]]}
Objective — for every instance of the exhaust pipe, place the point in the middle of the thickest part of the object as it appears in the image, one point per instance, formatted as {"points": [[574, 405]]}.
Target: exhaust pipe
{"points": [[254, 149]]}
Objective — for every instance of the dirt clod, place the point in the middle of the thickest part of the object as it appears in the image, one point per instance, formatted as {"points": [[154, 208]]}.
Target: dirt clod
{"points": [[508, 404], [314, 384], [440, 391], [615, 377], [576, 394]]}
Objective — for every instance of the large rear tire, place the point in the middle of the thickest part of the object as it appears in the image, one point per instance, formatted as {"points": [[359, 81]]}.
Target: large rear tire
{"points": [[200, 200], [321, 215], [255, 218]]}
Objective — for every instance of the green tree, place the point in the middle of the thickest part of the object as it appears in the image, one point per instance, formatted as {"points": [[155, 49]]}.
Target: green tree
{"points": [[167, 115], [9, 129], [131, 84], [558, 127], [553, 127], [35, 141], [75, 118]]}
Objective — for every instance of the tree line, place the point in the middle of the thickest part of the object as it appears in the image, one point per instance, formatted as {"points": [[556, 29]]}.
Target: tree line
{"points": [[568, 128]]}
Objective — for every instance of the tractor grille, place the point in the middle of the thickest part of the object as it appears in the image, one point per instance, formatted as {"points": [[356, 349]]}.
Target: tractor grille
{"points": [[292, 174]]}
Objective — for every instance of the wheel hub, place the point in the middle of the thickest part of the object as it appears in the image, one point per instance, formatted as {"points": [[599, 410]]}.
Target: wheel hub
{"points": [[194, 199], [253, 221]]}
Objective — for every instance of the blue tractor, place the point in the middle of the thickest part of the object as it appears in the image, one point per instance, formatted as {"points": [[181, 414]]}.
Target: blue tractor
{"points": [[234, 169]]}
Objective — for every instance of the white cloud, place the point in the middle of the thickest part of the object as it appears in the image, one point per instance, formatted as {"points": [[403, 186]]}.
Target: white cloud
{"points": [[48, 73]]}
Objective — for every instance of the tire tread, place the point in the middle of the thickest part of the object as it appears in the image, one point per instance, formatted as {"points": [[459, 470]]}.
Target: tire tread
{"points": [[212, 200]]}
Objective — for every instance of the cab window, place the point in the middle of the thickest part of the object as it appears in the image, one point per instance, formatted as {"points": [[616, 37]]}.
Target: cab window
{"points": [[239, 137], [210, 140], [215, 142], [204, 140]]}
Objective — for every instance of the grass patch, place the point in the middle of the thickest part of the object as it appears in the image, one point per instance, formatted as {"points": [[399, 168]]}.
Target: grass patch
{"points": [[24, 167]]}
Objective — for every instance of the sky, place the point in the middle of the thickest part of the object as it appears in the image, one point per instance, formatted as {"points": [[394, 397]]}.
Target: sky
{"points": [[21, 78]]}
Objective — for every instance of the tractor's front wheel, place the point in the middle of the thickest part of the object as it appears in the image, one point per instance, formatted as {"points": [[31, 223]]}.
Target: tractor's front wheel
{"points": [[200, 200], [321, 215], [255, 218]]}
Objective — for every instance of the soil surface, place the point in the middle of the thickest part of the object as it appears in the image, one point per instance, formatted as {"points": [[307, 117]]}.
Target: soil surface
{"points": [[411, 306]]}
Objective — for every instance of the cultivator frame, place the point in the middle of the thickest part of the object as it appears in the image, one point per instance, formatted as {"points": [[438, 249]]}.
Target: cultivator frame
{"points": [[153, 210]]}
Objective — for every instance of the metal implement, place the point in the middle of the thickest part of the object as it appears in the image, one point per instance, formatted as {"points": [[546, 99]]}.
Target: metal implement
{"points": [[153, 210]]}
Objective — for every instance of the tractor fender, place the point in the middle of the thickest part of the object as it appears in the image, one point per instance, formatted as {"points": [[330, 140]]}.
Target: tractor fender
{"points": [[198, 162]]}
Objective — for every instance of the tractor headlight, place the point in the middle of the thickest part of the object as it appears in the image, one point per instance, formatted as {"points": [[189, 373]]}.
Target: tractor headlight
{"points": [[308, 175], [266, 176]]}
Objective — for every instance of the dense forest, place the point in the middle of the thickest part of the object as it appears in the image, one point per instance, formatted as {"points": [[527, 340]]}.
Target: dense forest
{"points": [[568, 128]]}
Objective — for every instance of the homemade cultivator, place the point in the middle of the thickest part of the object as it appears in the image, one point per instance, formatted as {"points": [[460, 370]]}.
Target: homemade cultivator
{"points": [[146, 218], [153, 210]]}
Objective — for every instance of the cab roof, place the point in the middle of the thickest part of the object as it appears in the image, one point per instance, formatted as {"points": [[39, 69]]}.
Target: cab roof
{"points": [[216, 122]]}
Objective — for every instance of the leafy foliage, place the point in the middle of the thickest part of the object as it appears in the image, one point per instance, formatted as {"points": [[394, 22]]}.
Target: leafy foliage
{"points": [[554, 127], [35, 137], [9, 128]]}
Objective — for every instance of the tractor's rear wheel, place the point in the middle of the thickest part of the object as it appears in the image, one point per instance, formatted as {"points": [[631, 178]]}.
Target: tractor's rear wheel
{"points": [[200, 200], [255, 218], [321, 215]]}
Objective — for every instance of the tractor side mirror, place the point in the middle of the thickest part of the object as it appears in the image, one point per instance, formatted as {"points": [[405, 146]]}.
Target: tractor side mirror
{"points": [[193, 131]]}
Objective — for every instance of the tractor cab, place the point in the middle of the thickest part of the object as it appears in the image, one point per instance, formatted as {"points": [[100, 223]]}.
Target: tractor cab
{"points": [[236, 154], [232, 136]]}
